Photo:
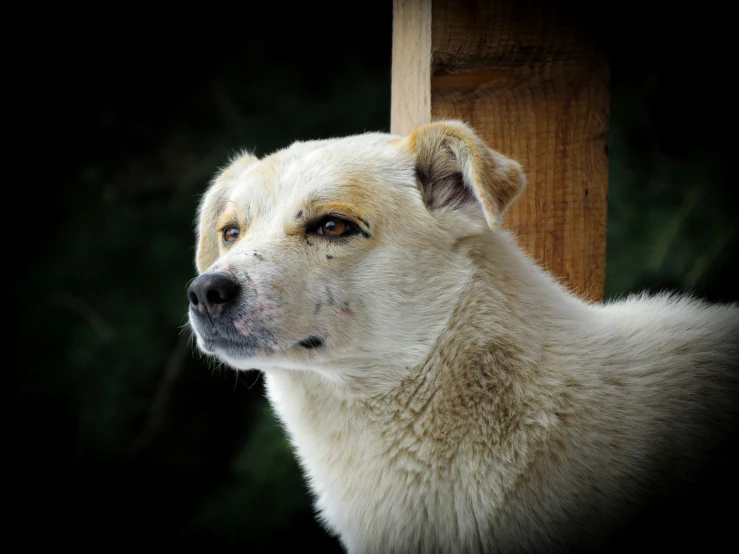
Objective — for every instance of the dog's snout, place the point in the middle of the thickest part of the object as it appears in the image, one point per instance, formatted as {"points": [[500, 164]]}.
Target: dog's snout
{"points": [[211, 292]]}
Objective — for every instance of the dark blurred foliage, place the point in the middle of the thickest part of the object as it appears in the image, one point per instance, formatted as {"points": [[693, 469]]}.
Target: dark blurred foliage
{"points": [[673, 198], [123, 433]]}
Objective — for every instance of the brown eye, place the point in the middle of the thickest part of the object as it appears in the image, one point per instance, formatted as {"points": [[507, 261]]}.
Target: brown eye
{"points": [[231, 233], [332, 228]]}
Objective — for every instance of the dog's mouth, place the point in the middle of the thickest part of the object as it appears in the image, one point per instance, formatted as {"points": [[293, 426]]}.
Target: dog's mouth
{"points": [[311, 342], [250, 346]]}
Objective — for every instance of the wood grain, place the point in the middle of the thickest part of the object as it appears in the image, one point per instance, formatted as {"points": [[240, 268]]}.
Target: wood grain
{"points": [[411, 66], [534, 82]]}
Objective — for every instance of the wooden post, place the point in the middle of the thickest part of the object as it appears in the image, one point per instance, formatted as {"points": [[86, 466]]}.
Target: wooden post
{"points": [[534, 83]]}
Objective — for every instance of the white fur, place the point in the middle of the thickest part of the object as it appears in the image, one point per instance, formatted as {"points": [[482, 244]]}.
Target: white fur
{"points": [[463, 401]]}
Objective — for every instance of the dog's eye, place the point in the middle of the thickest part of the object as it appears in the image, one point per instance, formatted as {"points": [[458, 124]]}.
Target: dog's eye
{"points": [[231, 233], [333, 226]]}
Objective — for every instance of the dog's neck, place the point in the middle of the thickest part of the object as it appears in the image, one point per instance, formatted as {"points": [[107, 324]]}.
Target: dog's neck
{"points": [[496, 335], [488, 357]]}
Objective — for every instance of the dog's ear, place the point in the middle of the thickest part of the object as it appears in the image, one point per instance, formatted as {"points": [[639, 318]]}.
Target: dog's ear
{"points": [[212, 206], [456, 170]]}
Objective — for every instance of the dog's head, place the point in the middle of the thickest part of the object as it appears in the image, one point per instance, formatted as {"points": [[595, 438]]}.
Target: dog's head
{"points": [[341, 255]]}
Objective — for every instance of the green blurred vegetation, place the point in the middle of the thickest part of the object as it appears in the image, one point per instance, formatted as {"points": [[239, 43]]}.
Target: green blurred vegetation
{"points": [[123, 429], [672, 220]]}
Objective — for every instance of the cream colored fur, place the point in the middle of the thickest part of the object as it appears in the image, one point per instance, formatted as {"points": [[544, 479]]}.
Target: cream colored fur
{"points": [[462, 400]]}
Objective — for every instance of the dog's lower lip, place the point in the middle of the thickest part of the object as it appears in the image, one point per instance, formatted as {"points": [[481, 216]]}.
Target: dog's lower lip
{"points": [[311, 342], [220, 342]]}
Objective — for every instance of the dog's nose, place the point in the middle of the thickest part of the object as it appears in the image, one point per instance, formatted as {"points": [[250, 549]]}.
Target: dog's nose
{"points": [[212, 292]]}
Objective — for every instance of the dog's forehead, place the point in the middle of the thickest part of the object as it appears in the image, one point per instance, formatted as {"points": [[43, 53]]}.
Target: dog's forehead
{"points": [[322, 168]]}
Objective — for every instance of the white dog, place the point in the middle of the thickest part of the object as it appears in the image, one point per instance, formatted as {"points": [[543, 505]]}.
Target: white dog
{"points": [[443, 393]]}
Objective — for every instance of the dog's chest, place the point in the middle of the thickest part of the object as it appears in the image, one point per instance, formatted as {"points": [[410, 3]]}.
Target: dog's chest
{"points": [[378, 481]]}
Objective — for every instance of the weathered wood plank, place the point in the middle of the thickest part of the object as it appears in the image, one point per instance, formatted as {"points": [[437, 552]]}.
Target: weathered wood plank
{"points": [[411, 65]]}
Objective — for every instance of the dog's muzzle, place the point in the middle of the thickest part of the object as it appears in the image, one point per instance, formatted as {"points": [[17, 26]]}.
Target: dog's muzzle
{"points": [[224, 319]]}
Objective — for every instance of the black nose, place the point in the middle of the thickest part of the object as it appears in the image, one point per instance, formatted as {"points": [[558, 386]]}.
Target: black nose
{"points": [[212, 292]]}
